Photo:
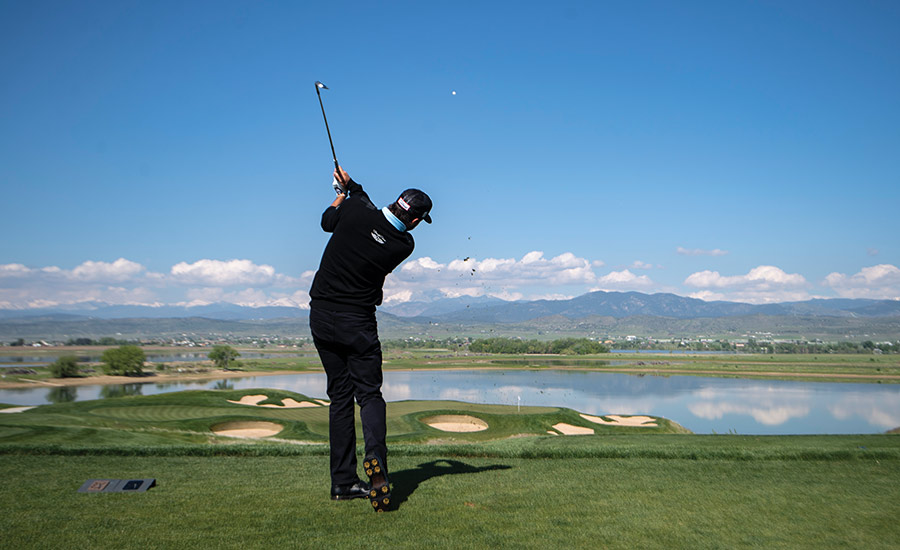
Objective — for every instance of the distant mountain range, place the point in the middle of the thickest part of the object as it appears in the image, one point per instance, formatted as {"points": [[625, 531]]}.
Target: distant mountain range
{"points": [[595, 314], [494, 310], [627, 304]]}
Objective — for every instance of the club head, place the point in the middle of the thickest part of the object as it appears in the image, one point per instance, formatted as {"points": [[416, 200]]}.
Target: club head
{"points": [[320, 85]]}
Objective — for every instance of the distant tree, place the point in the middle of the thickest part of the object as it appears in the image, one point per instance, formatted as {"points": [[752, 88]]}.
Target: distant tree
{"points": [[80, 342], [124, 360], [224, 356], [65, 367], [18, 342], [564, 346]]}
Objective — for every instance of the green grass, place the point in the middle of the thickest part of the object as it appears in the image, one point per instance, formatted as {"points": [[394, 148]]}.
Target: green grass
{"points": [[454, 502]]}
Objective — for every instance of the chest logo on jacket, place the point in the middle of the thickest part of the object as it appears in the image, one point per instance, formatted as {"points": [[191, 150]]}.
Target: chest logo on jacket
{"points": [[377, 236]]}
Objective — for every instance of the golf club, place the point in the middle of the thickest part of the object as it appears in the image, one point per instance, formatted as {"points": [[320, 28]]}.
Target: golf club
{"points": [[319, 85]]}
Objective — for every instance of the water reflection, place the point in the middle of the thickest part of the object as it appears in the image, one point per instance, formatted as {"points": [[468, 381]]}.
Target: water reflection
{"points": [[223, 385], [877, 410], [764, 404], [121, 390], [703, 405], [62, 394]]}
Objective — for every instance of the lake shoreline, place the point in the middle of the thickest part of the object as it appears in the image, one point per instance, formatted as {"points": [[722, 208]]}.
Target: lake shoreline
{"points": [[162, 378], [106, 379]]}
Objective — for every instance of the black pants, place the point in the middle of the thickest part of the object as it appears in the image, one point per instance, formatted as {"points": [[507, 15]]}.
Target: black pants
{"points": [[348, 345]]}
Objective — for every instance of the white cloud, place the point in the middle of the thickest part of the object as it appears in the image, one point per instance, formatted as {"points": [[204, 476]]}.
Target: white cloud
{"points": [[246, 297], [124, 282], [421, 266], [552, 296], [299, 299], [762, 284], [229, 273], [764, 276], [458, 292], [531, 277], [623, 280], [507, 278], [700, 252], [117, 271], [533, 266], [14, 270], [877, 282], [707, 295], [242, 281], [397, 296], [99, 272]]}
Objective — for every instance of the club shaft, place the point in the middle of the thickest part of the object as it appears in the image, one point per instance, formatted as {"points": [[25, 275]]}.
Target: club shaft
{"points": [[319, 94]]}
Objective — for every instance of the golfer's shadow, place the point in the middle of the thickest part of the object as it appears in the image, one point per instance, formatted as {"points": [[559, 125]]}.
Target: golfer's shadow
{"points": [[405, 482]]}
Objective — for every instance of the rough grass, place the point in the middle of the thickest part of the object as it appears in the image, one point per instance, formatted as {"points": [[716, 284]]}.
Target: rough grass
{"points": [[453, 502]]}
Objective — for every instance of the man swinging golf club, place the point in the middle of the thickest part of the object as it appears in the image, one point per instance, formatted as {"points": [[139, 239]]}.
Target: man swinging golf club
{"points": [[366, 244]]}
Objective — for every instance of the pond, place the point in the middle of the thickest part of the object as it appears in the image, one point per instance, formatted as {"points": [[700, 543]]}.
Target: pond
{"points": [[703, 405]]}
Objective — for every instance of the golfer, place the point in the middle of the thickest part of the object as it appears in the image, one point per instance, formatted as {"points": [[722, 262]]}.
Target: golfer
{"points": [[366, 244]]}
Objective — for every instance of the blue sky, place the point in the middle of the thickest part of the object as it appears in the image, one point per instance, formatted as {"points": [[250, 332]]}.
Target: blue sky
{"points": [[174, 152]]}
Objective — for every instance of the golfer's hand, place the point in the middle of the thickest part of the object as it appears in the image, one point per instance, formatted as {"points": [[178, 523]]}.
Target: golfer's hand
{"points": [[338, 188], [342, 176]]}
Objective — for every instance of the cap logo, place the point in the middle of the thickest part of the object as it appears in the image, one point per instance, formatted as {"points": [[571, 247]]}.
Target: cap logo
{"points": [[403, 204]]}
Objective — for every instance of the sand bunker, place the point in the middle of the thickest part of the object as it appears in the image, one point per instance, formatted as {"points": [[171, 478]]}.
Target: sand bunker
{"points": [[291, 404], [288, 403], [247, 429], [568, 429], [12, 410], [456, 423], [617, 420]]}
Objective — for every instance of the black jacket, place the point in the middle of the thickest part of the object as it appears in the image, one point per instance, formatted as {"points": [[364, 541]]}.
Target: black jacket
{"points": [[364, 247]]}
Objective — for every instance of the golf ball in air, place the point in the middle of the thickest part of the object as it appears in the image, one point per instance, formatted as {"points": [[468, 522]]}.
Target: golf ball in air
{"points": [[453, 92]]}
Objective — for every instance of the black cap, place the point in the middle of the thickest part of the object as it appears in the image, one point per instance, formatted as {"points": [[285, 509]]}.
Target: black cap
{"points": [[416, 202]]}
